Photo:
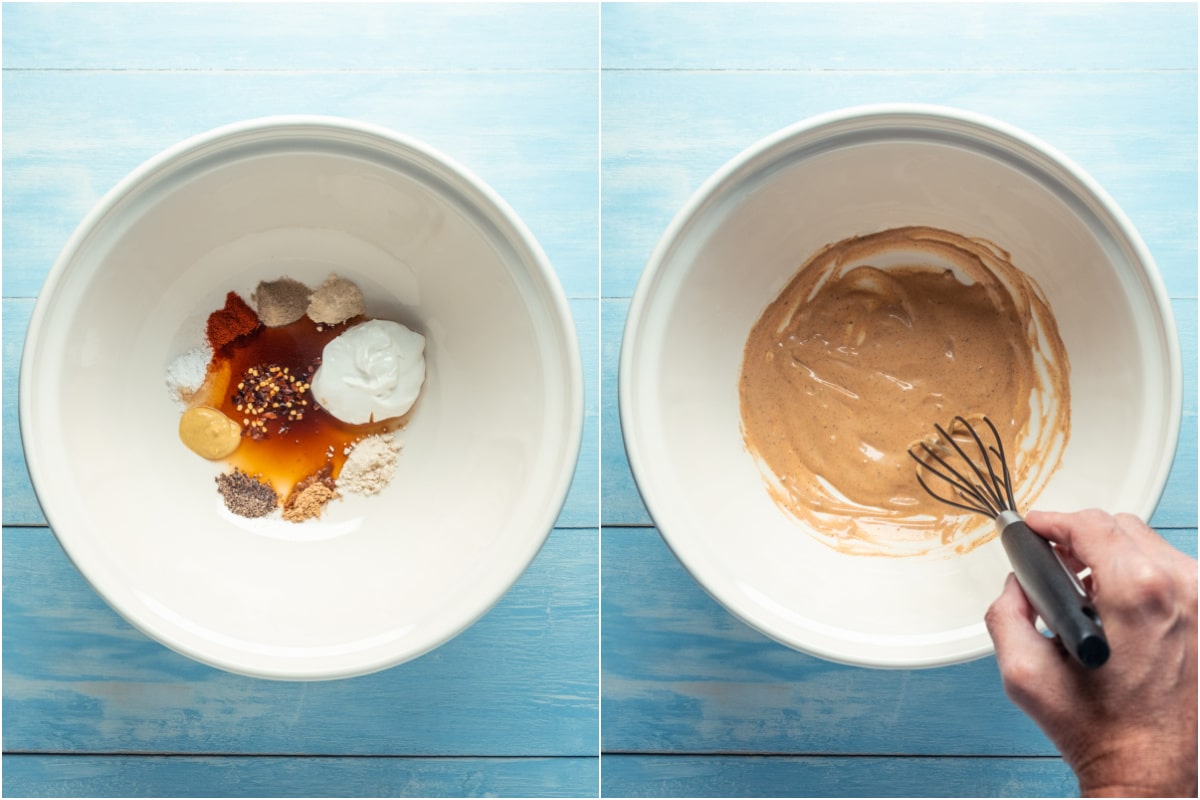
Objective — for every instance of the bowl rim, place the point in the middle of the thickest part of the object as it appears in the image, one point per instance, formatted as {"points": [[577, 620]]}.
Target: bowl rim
{"points": [[909, 116], [376, 136]]}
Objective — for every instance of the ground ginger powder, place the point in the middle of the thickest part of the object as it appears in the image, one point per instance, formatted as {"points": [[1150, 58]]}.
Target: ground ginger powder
{"points": [[370, 466]]}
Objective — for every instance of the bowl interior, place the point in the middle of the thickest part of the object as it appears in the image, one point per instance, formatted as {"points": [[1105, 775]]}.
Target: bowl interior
{"points": [[738, 243], [487, 454]]}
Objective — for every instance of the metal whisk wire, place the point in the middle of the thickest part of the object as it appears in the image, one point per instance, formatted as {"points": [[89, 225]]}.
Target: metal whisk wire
{"points": [[991, 494], [985, 487]]}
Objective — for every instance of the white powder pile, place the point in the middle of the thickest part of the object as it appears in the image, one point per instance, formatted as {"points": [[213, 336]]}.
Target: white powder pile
{"points": [[370, 465], [187, 372]]}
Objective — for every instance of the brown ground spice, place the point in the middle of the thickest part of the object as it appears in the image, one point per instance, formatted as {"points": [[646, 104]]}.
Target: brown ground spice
{"points": [[281, 302], [310, 496]]}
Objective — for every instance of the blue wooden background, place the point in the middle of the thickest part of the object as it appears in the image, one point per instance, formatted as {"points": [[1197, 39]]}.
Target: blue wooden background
{"points": [[694, 703], [595, 122], [92, 707]]}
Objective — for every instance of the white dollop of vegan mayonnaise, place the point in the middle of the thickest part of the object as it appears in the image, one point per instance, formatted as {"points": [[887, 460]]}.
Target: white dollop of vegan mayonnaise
{"points": [[370, 373]]}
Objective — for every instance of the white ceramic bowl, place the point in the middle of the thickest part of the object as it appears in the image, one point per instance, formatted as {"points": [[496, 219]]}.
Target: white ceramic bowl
{"points": [[488, 453], [732, 248]]}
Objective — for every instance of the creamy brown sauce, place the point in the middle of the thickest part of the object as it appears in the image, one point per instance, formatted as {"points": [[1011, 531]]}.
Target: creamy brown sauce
{"points": [[874, 340]]}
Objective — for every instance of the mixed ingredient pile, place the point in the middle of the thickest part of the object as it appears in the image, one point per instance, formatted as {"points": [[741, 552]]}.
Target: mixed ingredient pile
{"points": [[299, 394]]}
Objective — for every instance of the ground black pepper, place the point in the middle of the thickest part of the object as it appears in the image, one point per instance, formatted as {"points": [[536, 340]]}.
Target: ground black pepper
{"points": [[246, 496]]}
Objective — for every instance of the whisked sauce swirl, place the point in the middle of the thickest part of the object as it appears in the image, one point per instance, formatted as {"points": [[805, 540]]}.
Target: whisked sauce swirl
{"points": [[874, 340]]}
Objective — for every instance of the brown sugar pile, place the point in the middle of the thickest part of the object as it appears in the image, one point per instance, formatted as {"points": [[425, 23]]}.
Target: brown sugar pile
{"points": [[246, 496], [310, 496], [335, 301], [281, 302], [228, 323]]}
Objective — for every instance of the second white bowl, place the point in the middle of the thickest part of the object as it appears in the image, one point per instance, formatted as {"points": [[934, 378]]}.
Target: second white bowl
{"points": [[738, 241]]}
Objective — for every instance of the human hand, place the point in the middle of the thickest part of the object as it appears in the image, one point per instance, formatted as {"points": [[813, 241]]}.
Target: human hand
{"points": [[1129, 727]]}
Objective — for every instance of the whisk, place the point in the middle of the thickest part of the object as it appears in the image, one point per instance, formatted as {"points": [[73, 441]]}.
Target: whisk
{"points": [[984, 486]]}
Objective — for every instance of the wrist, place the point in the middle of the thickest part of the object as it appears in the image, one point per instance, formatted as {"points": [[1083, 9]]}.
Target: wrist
{"points": [[1141, 768], [1138, 790]]}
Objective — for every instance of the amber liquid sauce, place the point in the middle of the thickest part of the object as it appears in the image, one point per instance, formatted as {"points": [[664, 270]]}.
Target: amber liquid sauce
{"points": [[305, 445]]}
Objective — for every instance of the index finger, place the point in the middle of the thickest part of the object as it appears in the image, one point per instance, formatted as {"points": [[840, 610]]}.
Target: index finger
{"points": [[1093, 536]]}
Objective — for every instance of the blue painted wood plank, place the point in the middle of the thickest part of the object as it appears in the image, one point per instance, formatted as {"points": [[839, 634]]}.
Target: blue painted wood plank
{"points": [[1185, 313], [521, 681], [666, 132], [807, 776], [682, 675], [582, 506], [70, 136], [20, 507], [622, 505], [879, 36], [326, 36], [259, 776]]}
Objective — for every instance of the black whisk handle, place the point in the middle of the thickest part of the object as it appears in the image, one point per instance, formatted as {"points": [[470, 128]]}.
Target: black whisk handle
{"points": [[1053, 591]]}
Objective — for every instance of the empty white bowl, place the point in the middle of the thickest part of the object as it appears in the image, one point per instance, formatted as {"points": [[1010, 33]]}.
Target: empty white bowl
{"points": [[739, 240], [488, 453]]}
